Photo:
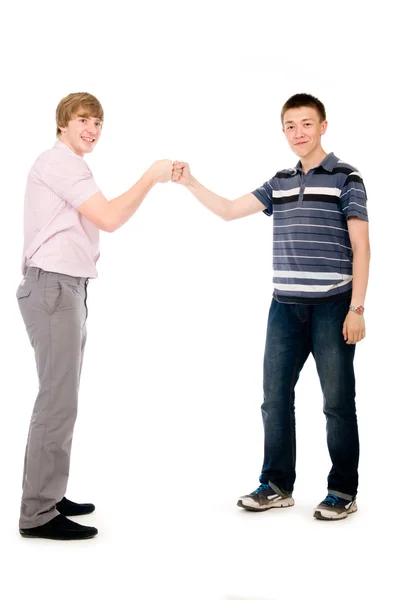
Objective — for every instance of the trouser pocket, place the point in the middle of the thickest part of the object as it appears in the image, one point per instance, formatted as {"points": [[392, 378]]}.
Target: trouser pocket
{"points": [[53, 296]]}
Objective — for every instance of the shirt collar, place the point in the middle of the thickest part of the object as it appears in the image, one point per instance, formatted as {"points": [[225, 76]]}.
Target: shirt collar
{"points": [[328, 163]]}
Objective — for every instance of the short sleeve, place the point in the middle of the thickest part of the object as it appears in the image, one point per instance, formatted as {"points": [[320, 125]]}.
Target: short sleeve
{"points": [[265, 195], [71, 179], [353, 197]]}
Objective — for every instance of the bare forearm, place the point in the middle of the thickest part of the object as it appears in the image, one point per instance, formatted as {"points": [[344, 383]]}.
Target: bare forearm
{"points": [[123, 207], [360, 274], [217, 204]]}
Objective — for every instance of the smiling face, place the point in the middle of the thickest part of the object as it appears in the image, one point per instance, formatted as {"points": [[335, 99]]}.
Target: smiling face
{"points": [[82, 133], [303, 129]]}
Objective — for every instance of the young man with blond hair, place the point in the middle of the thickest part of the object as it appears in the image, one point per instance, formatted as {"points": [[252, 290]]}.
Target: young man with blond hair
{"points": [[64, 210], [321, 262]]}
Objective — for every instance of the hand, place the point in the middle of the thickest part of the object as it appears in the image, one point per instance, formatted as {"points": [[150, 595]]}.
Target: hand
{"points": [[353, 328], [161, 171], [181, 173]]}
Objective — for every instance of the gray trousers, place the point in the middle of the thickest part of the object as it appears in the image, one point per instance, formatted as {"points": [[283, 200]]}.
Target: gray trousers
{"points": [[53, 307]]}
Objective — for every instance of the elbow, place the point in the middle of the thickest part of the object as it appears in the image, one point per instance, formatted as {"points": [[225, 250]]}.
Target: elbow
{"points": [[110, 227], [361, 250], [228, 214], [107, 227], [110, 221]]}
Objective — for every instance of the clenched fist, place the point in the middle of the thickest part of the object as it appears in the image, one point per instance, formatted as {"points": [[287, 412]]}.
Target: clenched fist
{"points": [[161, 171], [181, 173]]}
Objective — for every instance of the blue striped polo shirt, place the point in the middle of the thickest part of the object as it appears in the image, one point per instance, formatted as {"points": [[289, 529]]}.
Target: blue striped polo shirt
{"points": [[312, 254]]}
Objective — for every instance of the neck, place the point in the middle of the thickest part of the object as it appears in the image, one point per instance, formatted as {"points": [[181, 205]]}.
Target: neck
{"points": [[62, 139], [313, 160]]}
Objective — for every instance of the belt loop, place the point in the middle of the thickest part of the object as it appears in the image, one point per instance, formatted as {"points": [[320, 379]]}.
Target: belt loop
{"points": [[38, 274]]}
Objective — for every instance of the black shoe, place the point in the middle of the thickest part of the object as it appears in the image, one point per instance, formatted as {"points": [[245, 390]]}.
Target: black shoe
{"points": [[60, 528], [264, 498], [73, 509], [334, 508]]}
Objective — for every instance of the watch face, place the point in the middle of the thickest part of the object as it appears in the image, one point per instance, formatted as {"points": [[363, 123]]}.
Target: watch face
{"points": [[359, 310]]}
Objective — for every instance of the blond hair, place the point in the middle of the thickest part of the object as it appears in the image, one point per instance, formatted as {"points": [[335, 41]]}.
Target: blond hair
{"points": [[78, 104]]}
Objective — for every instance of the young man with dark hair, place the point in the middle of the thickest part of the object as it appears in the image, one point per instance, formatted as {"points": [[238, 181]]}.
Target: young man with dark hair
{"points": [[321, 262], [64, 210]]}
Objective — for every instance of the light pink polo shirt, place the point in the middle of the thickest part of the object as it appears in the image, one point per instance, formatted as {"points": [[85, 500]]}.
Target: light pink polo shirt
{"points": [[56, 236]]}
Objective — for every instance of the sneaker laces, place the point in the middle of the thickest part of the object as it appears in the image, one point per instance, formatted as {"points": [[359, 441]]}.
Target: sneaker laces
{"points": [[262, 488], [331, 500]]}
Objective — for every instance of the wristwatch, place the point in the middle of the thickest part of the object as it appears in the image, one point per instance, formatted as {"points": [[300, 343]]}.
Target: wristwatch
{"points": [[358, 309]]}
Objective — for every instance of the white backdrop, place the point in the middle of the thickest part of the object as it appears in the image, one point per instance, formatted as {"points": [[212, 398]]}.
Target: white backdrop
{"points": [[169, 432]]}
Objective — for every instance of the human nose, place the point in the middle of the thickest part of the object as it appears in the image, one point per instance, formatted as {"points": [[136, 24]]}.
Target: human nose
{"points": [[299, 132], [91, 129]]}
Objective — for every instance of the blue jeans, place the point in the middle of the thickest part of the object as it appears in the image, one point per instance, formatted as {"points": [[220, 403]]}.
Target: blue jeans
{"points": [[293, 331]]}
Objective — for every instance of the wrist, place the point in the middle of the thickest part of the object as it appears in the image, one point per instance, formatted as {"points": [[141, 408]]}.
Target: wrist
{"points": [[149, 179], [359, 309], [191, 183]]}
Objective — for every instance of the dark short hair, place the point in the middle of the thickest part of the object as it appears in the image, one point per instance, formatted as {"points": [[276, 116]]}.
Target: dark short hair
{"points": [[299, 100]]}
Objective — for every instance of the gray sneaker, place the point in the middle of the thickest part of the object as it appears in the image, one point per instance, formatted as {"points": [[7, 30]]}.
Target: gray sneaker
{"points": [[264, 498], [334, 508]]}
